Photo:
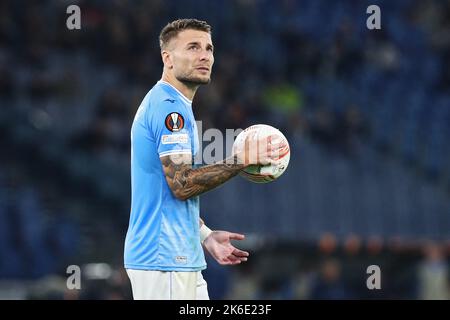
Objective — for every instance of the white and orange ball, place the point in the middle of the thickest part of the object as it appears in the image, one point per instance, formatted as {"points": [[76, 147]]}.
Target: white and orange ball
{"points": [[266, 173]]}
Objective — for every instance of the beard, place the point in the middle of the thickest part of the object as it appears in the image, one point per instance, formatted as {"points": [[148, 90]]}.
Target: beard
{"points": [[192, 80]]}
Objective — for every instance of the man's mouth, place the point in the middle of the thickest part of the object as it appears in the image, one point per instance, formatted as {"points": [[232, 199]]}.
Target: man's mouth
{"points": [[203, 68]]}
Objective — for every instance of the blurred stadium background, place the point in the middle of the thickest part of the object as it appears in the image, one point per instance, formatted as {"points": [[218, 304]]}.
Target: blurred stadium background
{"points": [[367, 113]]}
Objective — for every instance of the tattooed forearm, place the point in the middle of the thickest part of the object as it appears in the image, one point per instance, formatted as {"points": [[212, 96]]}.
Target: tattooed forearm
{"points": [[187, 182]]}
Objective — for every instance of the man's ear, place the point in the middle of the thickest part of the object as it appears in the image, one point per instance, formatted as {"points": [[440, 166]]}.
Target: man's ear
{"points": [[167, 59]]}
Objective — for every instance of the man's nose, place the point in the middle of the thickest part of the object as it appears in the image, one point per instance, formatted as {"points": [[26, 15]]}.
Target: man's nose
{"points": [[205, 55]]}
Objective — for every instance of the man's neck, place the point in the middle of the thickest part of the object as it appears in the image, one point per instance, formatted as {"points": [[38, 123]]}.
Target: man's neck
{"points": [[185, 89]]}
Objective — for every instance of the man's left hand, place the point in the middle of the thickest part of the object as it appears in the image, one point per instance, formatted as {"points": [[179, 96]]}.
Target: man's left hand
{"points": [[218, 244]]}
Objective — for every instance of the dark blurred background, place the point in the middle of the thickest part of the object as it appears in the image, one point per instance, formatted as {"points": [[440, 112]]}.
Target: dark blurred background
{"points": [[366, 112]]}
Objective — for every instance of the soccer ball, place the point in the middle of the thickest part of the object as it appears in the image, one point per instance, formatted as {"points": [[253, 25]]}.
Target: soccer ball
{"points": [[267, 173]]}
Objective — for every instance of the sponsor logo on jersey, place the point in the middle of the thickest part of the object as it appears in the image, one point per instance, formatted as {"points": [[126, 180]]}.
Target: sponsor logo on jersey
{"points": [[174, 138]]}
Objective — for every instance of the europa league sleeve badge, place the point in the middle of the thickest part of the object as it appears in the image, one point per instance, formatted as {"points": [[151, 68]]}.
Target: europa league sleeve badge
{"points": [[174, 121]]}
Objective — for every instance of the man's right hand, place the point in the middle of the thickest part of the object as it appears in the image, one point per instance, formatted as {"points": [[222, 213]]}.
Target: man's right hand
{"points": [[261, 150]]}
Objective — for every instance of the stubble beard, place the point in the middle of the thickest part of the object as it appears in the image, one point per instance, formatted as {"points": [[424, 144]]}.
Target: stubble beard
{"points": [[189, 80]]}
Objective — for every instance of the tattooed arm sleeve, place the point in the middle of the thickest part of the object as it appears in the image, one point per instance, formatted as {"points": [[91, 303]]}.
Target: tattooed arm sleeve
{"points": [[186, 182]]}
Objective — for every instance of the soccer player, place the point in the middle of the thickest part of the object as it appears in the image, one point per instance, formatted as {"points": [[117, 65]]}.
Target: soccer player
{"points": [[163, 246]]}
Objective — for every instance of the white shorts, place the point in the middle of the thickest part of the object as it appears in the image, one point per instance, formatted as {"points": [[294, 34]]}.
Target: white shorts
{"points": [[167, 285]]}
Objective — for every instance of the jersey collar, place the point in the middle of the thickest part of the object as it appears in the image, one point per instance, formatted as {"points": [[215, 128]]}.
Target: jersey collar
{"points": [[183, 97]]}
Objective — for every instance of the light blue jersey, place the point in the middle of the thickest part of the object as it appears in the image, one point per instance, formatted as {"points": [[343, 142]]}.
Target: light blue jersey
{"points": [[163, 232]]}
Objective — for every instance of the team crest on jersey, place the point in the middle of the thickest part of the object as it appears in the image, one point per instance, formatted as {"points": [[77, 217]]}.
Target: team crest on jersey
{"points": [[174, 122]]}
